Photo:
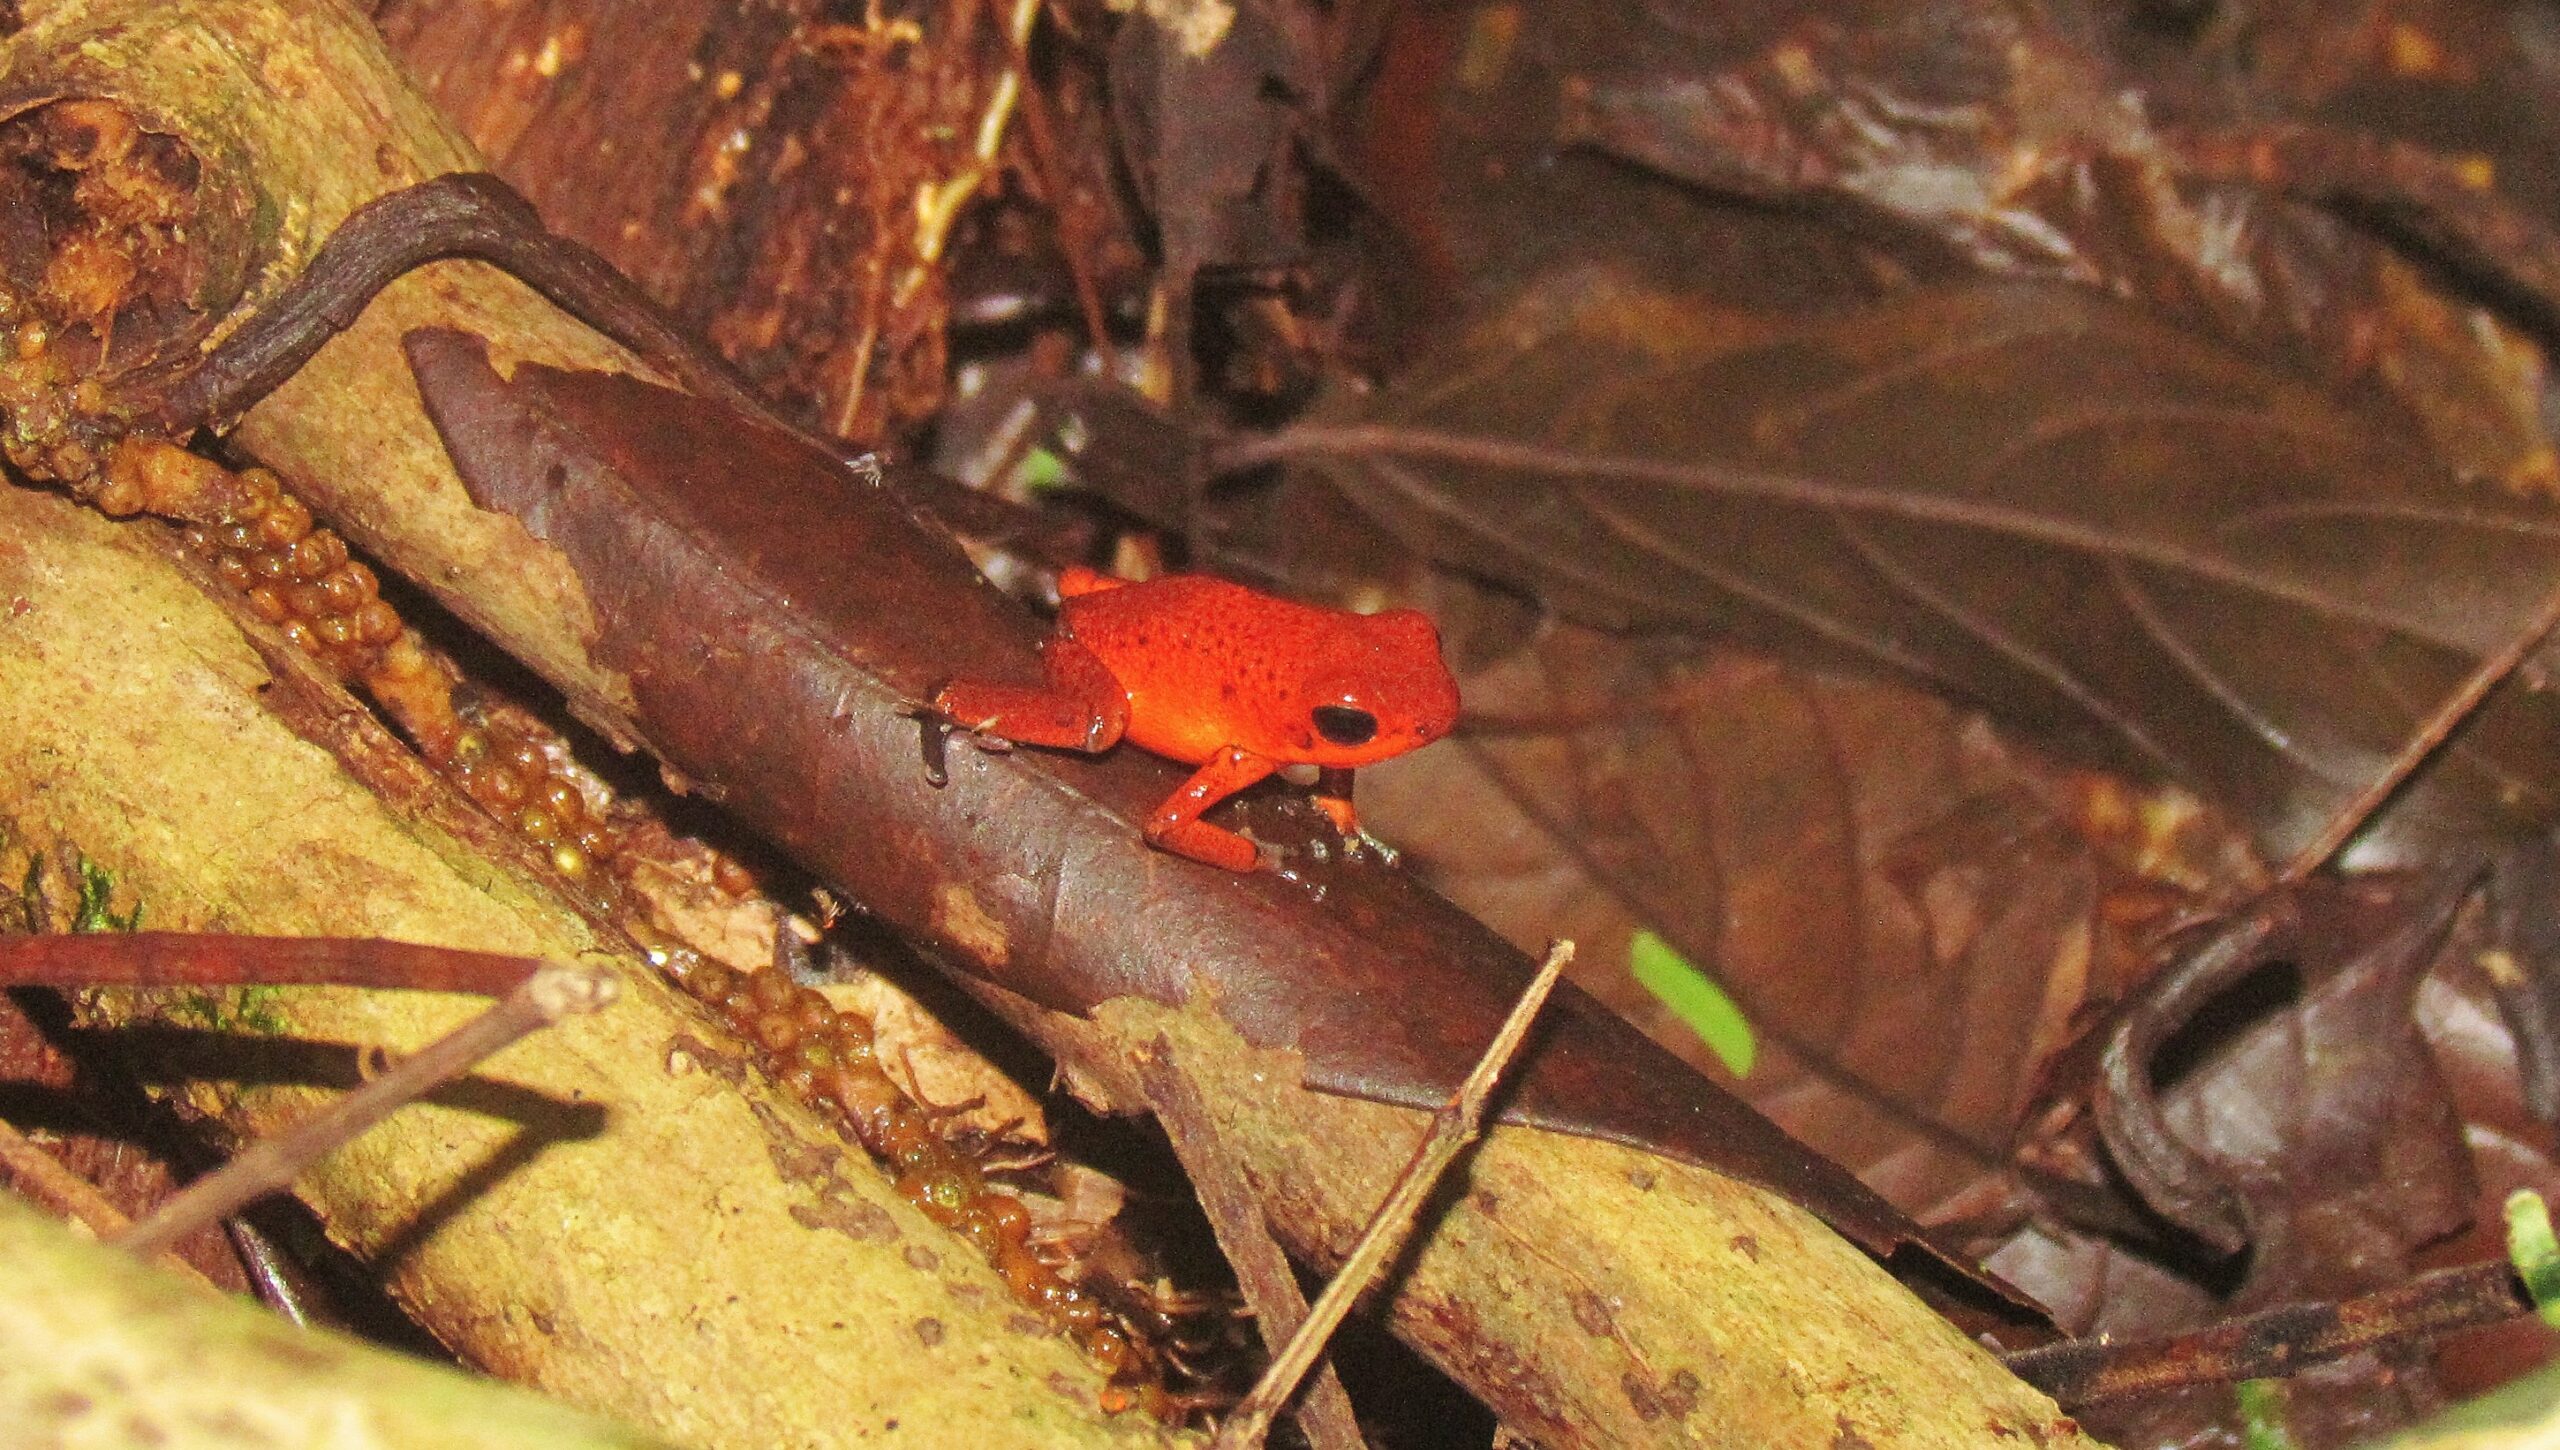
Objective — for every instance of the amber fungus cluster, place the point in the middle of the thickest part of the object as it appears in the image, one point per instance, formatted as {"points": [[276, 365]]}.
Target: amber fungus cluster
{"points": [[296, 575], [825, 1056]]}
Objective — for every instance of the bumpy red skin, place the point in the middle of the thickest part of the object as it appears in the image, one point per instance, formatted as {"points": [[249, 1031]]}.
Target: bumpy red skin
{"points": [[1226, 678]]}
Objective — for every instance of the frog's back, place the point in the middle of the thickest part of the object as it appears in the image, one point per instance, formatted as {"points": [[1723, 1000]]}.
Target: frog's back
{"points": [[1206, 663]]}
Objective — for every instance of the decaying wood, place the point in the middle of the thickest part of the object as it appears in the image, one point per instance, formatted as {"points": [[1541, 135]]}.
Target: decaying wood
{"points": [[98, 1349], [1593, 1294], [620, 1212]]}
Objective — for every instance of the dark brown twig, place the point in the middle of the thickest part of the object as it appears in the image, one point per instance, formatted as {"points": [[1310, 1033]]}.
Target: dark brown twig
{"points": [[40, 1176], [2280, 1341], [552, 992], [1235, 1216], [477, 216], [210, 959], [1452, 1129], [2424, 741]]}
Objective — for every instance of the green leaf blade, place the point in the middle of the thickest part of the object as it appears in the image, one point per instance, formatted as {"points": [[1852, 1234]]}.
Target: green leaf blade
{"points": [[1695, 999]]}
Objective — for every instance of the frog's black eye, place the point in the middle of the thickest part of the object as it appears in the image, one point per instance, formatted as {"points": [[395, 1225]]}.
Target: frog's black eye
{"points": [[1344, 725]]}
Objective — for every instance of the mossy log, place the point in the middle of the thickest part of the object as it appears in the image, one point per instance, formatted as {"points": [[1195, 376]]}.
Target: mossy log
{"points": [[1592, 1294]]}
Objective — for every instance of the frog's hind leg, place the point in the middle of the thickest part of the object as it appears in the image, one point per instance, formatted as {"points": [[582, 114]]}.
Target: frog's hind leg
{"points": [[1082, 708], [1176, 825]]}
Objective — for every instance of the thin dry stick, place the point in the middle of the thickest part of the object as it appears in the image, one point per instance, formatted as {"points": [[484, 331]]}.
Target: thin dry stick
{"points": [[40, 1176], [1452, 1129], [2447, 718], [273, 1163], [2285, 1340], [1244, 1236]]}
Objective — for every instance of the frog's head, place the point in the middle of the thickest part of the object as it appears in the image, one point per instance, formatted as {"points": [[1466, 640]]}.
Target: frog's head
{"points": [[1381, 692]]}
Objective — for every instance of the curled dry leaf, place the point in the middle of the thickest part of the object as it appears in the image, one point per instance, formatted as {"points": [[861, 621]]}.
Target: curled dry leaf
{"points": [[2357, 1099]]}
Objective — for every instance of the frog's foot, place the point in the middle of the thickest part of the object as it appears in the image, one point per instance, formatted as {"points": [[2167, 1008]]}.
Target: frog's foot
{"points": [[1081, 708], [1333, 797], [1176, 825]]}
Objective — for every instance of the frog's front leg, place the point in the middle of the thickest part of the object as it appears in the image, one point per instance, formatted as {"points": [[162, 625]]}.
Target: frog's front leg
{"points": [[1333, 797], [1082, 708], [1176, 825]]}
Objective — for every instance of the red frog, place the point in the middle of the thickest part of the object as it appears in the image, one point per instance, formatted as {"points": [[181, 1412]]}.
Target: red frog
{"points": [[1229, 679]]}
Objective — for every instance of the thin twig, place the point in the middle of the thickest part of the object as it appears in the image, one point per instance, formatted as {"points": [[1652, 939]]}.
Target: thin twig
{"points": [[1452, 1129], [273, 1163], [2280, 1341], [1244, 1236], [2448, 716], [41, 1177]]}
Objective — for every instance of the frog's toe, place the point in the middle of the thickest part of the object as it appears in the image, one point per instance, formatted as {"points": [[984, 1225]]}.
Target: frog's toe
{"points": [[1358, 843]]}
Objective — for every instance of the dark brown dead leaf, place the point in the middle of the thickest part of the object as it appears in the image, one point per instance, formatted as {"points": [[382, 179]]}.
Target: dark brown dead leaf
{"points": [[1899, 902], [2000, 132], [775, 677], [2204, 567], [1211, 129]]}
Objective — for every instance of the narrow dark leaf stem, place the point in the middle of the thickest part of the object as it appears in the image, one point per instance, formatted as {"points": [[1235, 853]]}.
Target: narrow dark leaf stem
{"points": [[273, 1163], [1452, 1129], [461, 215]]}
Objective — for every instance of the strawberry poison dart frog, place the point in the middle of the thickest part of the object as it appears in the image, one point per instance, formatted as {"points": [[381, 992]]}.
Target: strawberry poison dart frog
{"points": [[1226, 678]]}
